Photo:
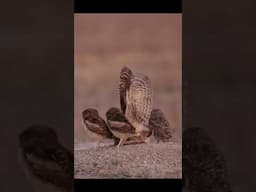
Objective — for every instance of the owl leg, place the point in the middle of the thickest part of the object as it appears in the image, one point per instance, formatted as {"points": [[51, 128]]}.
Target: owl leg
{"points": [[120, 142], [98, 142], [124, 140], [147, 140]]}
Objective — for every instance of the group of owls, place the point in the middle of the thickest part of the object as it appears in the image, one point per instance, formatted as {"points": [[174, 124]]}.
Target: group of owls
{"points": [[48, 163], [136, 122]]}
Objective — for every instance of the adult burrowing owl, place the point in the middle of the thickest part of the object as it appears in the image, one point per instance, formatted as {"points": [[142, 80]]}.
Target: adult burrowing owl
{"points": [[96, 126], [136, 99]]}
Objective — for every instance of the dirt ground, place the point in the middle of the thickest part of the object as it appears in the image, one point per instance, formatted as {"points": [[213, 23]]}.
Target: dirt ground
{"points": [[162, 160]]}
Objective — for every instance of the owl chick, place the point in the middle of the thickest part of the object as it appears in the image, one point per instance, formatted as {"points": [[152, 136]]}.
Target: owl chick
{"points": [[119, 125], [96, 126], [160, 125]]}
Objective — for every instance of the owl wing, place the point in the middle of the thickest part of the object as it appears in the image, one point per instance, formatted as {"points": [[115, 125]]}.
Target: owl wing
{"points": [[97, 125], [123, 100], [125, 80], [139, 101], [118, 122], [121, 127]]}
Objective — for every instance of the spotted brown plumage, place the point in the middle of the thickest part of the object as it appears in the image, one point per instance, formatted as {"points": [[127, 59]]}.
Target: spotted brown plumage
{"points": [[204, 166], [119, 125], [125, 82], [96, 125], [45, 160], [160, 125], [136, 99]]}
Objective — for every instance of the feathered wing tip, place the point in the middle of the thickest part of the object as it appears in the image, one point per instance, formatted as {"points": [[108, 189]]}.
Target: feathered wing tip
{"points": [[126, 76], [125, 69]]}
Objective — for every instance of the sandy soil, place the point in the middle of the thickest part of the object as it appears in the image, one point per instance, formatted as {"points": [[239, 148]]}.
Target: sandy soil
{"points": [[162, 160]]}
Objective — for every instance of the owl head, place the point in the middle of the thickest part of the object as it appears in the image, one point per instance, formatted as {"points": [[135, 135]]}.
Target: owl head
{"points": [[89, 113]]}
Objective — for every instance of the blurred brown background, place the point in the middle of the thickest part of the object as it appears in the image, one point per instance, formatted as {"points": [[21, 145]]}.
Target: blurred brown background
{"points": [[146, 43]]}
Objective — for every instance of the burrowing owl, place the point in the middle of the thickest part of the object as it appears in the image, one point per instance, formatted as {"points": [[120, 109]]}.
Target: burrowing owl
{"points": [[47, 164], [136, 99], [119, 125], [204, 166], [96, 126], [160, 125]]}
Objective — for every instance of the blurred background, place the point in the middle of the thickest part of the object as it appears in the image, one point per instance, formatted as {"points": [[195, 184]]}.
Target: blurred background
{"points": [[146, 43]]}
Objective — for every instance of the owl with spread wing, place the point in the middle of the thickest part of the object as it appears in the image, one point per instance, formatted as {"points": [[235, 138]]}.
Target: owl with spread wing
{"points": [[136, 100]]}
